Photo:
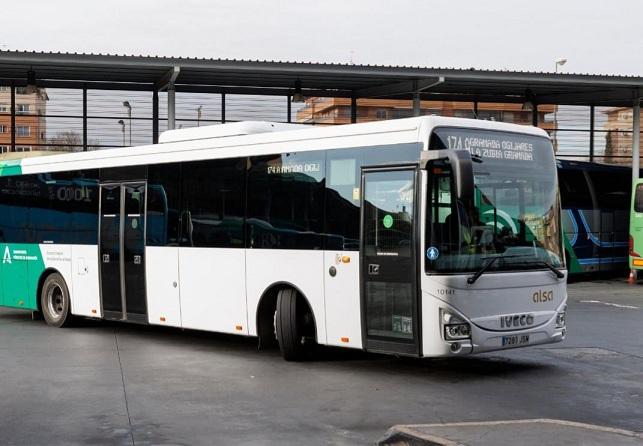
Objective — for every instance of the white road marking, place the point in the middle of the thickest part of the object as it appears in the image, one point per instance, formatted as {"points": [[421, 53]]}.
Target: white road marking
{"points": [[609, 304]]}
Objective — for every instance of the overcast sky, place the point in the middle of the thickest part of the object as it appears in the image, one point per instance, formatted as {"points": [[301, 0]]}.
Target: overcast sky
{"points": [[596, 36]]}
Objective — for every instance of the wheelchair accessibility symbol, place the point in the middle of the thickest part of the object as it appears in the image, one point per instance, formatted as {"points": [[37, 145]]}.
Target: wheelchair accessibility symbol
{"points": [[432, 253]]}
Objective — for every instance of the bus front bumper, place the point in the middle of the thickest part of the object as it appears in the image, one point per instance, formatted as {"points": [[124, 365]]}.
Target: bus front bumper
{"points": [[482, 340]]}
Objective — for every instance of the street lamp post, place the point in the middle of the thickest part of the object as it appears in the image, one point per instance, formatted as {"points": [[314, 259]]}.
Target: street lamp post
{"points": [[127, 105], [198, 115], [122, 123], [559, 63]]}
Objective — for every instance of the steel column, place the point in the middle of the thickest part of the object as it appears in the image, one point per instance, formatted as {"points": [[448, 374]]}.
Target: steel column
{"points": [[222, 108], [155, 117], [84, 119], [534, 114], [171, 107], [416, 104], [353, 110], [13, 117], [591, 133], [288, 108]]}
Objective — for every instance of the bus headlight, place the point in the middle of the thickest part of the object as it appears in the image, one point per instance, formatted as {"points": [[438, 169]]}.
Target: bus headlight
{"points": [[560, 318], [454, 327]]}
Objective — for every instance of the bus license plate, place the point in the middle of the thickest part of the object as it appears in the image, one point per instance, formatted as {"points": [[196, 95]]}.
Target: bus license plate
{"points": [[508, 341]]}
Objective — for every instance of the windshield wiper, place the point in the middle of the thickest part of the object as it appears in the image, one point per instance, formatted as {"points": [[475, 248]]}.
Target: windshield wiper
{"points": [[553, 269], [471, 280]]}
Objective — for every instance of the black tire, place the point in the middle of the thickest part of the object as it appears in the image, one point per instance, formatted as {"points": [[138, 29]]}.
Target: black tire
{"points": [[289, 324], [55, 302]]}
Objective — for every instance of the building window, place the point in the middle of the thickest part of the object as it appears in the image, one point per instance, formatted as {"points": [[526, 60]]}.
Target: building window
{"points": [[4, 149], [23, 130], [22, 109], [3, 108], [381, 114], [23, 148], [3, 128], [21, 90], [4, 88]]}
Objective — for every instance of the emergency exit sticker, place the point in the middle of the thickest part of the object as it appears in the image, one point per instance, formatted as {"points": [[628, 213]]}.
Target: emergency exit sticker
{"points": [[387, 221]]}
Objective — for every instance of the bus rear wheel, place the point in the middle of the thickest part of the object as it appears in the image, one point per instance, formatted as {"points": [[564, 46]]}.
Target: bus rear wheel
{"points": [[55, 302], [293, 324]]}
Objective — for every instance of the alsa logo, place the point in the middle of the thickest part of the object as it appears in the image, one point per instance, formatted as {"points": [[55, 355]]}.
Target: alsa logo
{"points": [[6, 258], [543, 296]]}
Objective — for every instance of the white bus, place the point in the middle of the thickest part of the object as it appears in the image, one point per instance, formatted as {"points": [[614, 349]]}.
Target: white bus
{"points": [[425, 237]]}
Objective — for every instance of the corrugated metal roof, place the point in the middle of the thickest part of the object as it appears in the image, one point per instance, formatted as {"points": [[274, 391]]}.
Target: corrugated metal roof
{"points": [[300, 62], [142, 72]]}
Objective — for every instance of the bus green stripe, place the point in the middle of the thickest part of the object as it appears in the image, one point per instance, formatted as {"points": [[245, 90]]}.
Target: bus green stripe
{"points": [[573, 265], [10, 167], [21, 268]]}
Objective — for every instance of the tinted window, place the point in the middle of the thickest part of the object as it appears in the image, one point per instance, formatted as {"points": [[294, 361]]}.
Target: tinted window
{"points": [[286, 201], [15, 193], [163, 204], [612, 188], [213, 203], [574, 189], [638, 199], [50, 208], [343, 188]]}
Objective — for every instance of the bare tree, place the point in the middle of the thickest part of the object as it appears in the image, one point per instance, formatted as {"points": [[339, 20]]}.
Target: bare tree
{"points": [[69, 141]]}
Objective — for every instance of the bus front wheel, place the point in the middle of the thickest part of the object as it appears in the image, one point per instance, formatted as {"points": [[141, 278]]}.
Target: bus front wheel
{"points": [[55, 302], [292, 324]]}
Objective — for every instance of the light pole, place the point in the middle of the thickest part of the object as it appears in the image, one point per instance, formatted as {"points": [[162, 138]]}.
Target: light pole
{"points": [[559, 63], [127, 105], [122, 123], [198, 115]]}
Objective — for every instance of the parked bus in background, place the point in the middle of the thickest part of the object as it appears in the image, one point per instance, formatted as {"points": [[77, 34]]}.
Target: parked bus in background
{"points": [[595, 200], [424, 237], [636, 230]]}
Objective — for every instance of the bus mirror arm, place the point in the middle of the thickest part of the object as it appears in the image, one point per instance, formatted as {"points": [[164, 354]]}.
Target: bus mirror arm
{"points": [[461, 165]]}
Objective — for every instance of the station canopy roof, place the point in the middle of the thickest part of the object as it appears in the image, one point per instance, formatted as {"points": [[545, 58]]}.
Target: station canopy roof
{"points": [[124, 72]]}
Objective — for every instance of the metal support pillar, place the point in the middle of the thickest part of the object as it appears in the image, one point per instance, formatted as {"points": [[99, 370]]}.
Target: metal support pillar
{"points": [[84, 119], [534, 114], [167, 83], [222, 108], [171, 107], [288, 109], [591, 133], [13, 117], [353, 110], [636, 138], [416, 104], [475, 109], [155, 117]]}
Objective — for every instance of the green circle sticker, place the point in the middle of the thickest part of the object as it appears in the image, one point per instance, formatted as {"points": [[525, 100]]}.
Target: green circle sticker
{"points": [[387, 221]]}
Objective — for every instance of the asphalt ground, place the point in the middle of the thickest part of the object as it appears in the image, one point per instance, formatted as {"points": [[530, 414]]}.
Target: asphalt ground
{"points": [[109, 383]]}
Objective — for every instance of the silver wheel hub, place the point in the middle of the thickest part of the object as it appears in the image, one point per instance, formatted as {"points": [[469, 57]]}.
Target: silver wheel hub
{"points": [[55, 301]]}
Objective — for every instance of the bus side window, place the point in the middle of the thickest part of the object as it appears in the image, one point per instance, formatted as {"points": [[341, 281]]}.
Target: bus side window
{"points": [[638, 198]]}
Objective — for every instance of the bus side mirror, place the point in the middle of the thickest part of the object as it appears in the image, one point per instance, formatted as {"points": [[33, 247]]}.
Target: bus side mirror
{"points": [[461, 166]]}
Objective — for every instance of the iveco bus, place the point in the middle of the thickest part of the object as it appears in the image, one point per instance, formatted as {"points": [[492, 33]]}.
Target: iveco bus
{"points": [[425, 237]]}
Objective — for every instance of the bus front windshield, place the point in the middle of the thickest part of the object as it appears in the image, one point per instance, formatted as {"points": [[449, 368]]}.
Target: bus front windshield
{"points": [[513, 220]]}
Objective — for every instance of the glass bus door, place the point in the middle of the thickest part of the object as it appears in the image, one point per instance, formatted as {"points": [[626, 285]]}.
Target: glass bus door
{"points": [[122, 251], [388, 261]]}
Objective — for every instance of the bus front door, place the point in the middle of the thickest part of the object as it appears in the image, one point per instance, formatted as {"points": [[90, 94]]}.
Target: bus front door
{"points": [[122, 251], [389, 293]]}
